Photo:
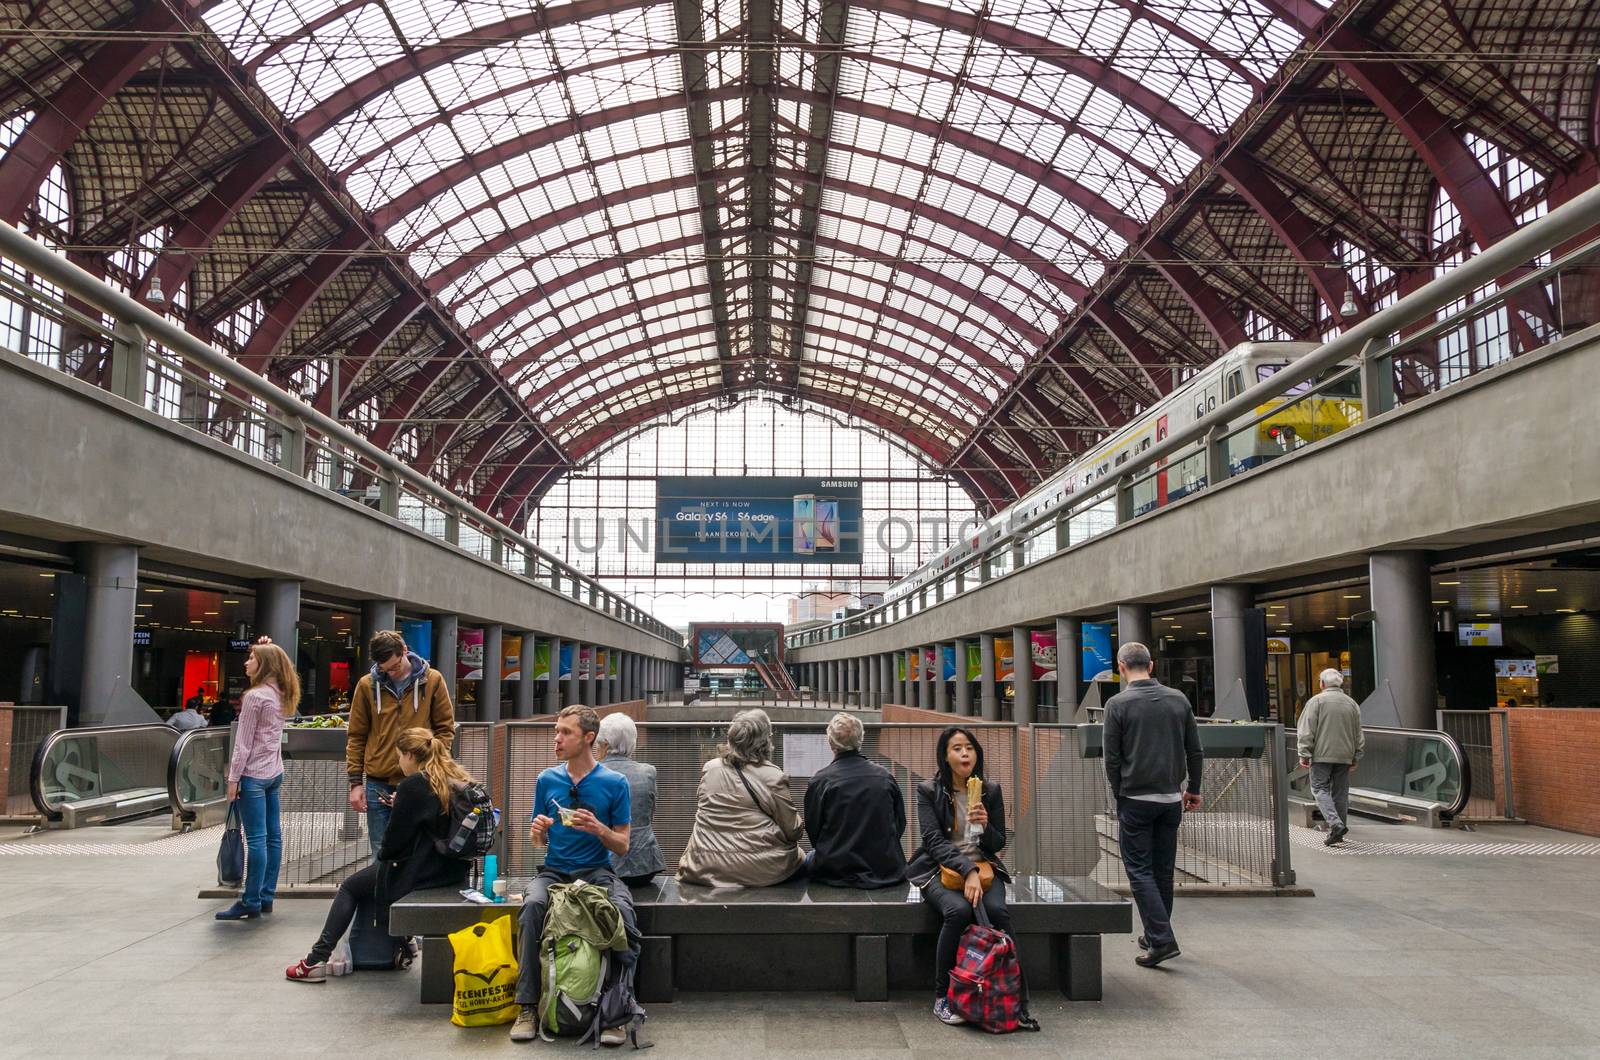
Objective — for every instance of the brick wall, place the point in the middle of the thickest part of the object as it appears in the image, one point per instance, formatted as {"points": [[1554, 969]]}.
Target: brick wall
{"points": [[1555, 758]]}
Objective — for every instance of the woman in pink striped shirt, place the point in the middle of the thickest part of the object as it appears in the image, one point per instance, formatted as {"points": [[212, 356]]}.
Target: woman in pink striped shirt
{"points": [[255, 774]]}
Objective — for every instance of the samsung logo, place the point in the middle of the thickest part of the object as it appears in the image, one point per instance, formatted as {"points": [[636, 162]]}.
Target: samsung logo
{"points": [[839, 484]]}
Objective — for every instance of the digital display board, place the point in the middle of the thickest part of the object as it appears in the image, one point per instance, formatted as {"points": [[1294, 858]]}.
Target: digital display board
{"points": [[758, 520]]}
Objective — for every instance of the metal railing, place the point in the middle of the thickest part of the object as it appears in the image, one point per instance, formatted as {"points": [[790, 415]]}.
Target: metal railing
{"points": [[147, 359], [197, 777], [22, 730], [1397, 362], [1484, 737], [1408, 770], [101, 774]]}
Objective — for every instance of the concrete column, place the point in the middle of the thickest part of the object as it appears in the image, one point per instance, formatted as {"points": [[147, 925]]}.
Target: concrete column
{"points": [[1133, 624], [586, 683], [1069, 659], [376, 615], [522, 694], [924, 680], [602, 678], [106, 695], [886, 680], [489, 687], [941, 687], [278, 613], [1402, 635], [909, 690], [1229, 639], [1023, 700], [988, 694], [963, 686], [853, 677], [552, 686], [445, 632], [630, 682], [573, 694]]}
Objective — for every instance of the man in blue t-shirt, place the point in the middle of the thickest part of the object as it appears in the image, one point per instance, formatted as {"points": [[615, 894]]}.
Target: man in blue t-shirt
{"points": [[581, 812]]}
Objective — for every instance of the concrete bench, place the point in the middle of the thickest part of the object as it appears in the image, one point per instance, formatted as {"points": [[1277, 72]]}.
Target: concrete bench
{"points": [[804, 937]]}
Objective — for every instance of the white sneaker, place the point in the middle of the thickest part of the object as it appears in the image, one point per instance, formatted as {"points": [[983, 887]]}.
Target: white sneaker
{"points": [[614, 1036], [526, 1029]]}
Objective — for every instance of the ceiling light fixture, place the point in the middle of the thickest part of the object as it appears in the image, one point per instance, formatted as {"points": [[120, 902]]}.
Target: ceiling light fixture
{"points": [[1449, 583], [1551, 589]]}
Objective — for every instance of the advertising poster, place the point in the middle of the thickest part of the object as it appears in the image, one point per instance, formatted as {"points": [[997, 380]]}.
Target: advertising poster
{"points": [[899, 667], [929, 665], [1280, 645], [974, 661], [1098, 663], [614, 664], [469, 655], [418, 635], [947, 660], [585, 662], [511, 657], [914, 659], [1004, 659], [541, 661], [1044, 654], [566, 662], [773, 519]]}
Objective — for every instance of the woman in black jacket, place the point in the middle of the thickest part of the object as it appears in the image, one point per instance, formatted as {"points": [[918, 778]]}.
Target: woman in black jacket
{"points": [[957, 838], [409, 860]]}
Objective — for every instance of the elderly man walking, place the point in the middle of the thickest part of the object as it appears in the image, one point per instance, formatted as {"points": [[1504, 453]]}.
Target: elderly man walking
{"points": [[1331, 743]]}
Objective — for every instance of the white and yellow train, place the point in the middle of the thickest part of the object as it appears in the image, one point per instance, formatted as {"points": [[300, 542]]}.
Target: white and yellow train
{"points": [[1289, 422]]}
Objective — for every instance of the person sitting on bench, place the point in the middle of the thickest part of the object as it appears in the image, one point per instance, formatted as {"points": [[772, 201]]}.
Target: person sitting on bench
{"points": [[408, 860], [855, 816], [583, 813], [746, 829]]}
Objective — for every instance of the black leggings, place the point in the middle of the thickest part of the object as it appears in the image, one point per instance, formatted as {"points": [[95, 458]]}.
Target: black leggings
{"points": [[958, 915], [356, 887]]}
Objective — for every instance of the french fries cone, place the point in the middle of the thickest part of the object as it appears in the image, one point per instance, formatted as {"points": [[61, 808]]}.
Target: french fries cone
{"points": [[974, 792]]}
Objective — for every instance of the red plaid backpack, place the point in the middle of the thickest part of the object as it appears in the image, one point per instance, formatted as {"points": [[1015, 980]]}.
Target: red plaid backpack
{"points": [[986, 985]]}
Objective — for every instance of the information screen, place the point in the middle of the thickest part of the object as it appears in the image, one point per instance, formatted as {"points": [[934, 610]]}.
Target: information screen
{"points": [[758, 520]]}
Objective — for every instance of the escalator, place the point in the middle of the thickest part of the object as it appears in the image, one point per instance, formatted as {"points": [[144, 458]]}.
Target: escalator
{"points": [[1409, 776]]}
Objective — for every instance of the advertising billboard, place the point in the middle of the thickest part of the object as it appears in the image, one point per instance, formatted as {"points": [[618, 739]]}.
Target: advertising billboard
{"points": [[511, 657], [758, 520], [1097, 657], [1044, 654]]}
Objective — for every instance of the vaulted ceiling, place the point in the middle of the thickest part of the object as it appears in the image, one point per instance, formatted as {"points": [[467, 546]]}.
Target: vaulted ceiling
{"points": [[496, 235]]}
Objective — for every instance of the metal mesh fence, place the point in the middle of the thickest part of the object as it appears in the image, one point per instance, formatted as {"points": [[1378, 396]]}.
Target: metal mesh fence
{"points": [[1484, 740]]}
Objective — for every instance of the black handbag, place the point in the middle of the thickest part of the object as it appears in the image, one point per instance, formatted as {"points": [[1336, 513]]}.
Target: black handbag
{"points": [[230, 855]]}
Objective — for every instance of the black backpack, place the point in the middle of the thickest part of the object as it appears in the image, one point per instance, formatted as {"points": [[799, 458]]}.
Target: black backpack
{"points": [[473, 820]]}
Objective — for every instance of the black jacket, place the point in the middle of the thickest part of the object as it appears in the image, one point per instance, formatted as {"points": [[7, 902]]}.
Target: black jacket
{"points": [[855, 817], [936, 815], [1151, 740], [408, 857]]}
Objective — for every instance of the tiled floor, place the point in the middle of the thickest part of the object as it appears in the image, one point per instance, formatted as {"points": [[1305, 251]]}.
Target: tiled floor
{"points": [[1403, 956]]}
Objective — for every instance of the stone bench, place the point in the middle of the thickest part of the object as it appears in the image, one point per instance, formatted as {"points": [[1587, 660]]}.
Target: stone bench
{"points": [[800, 936]]}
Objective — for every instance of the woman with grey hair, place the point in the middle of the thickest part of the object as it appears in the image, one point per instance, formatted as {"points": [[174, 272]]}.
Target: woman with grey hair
{"points": [[615, 742], [746, 828]]}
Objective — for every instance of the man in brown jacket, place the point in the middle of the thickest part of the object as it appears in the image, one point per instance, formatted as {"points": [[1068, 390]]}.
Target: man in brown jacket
{"points": [[401, 692]]}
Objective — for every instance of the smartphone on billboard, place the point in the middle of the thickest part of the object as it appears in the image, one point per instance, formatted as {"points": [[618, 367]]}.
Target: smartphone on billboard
{"points": [[827, 523], [805, 539]]}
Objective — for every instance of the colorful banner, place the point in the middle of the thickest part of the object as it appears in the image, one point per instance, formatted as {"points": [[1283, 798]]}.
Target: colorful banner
{"points": [[614, 664], [947, 657], [1097, 657], [974, 661], [418, 635], [914, 659], [541, 660], [899, 667], [566, 662], [1044, 654], [469, 655], [511, 657], [585, 662], [1004, 659], [930, 665]]}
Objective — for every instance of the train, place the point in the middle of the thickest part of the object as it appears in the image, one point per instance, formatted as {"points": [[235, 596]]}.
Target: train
{"points": [[1290, 422]]}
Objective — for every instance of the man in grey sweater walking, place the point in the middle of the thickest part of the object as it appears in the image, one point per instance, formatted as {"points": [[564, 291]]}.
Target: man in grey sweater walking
{"points": [[1331, 742], [1151, 742]]}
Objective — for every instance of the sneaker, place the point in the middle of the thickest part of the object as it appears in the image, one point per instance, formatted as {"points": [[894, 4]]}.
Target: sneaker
{"points": [[238, 911], [526, 1029], [614, 1036], [1153, 957], [301, 972], [942, 1013]]}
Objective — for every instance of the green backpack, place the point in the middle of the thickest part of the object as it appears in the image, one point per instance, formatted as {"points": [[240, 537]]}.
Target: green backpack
{"points": [[581, 928]]}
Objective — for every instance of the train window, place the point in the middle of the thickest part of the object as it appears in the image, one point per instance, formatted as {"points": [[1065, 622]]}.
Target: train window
{"points": [[1235, 384], [1211, 403], [1199, 409], [1122, 458]]}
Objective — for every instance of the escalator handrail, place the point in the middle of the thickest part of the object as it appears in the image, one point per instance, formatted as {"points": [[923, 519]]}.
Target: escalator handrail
{"points": [[1463, 792], [178, 748], [36, 771]]}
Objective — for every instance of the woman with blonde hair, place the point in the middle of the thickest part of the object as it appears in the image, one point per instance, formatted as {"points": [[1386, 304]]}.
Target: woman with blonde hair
{"points": [[411, 857], [255, 773], [746, 828]]}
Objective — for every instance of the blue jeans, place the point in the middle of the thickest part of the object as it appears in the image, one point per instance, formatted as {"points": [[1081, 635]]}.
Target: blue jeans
{"points": [[263, 839], [1148, 835], [377, 812]]}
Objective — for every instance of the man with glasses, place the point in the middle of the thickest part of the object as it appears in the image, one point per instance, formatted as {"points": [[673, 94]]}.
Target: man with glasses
{"points": [[401, 692], [583, 814]]}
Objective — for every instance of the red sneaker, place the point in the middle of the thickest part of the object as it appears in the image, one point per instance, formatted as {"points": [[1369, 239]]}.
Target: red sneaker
{"points": [[301, 972]]}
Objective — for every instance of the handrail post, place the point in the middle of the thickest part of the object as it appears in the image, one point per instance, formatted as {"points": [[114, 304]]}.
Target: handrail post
{"points": [[1124, 499], [1377, 381], [130, 363], [389, 496], [1282, 872], [452, 526], [1216, 457]]}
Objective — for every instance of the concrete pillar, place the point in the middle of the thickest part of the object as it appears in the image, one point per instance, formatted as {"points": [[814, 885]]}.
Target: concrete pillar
{"points": [[522, 694], [1069, 659], [909, 690], [1133, 625], [630, 683], [1023, 700], [489, 686], [586, 682], [988, 694], [1229, 638], [376, 615], [853, 671], [602, 677], [924, 680], [445, 632], [963, 686], [106, 695], [1402, 635], [552, 686], [941, 687], [278, 613], [572, 693]]}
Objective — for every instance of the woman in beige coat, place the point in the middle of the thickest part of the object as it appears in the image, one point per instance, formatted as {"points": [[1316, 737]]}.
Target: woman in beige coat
{"points": [[746, 828]]}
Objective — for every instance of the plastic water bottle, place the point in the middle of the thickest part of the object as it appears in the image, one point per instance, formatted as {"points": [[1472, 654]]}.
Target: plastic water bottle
{"points": [[491, 870]]}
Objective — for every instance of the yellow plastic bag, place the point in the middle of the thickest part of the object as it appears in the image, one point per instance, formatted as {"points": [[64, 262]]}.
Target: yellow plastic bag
{"points": [[486, 975]]}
